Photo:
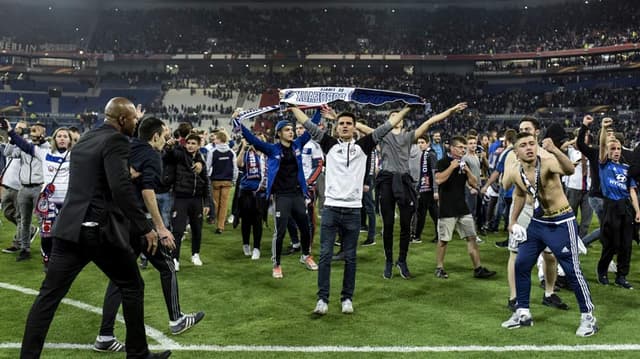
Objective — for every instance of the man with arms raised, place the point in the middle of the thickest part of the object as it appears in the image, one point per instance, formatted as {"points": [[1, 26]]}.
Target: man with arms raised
{"points": [[553, 225], [346, 166]]}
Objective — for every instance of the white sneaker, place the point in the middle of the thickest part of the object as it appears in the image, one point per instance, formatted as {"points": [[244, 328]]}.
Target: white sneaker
{"points": [[256, 254], [321, 307], [587, 326], [246, 249], [308, 262], [347, 306], [230, 219], [176, 264], [195, 259], [518, 320], [479, 240]]}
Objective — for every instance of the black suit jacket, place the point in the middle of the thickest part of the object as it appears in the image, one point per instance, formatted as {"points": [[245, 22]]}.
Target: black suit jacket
{"points": [[100, 190]]}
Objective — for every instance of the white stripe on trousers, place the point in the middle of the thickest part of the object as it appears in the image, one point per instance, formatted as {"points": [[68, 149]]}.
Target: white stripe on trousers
{"points": [[582, 283]]}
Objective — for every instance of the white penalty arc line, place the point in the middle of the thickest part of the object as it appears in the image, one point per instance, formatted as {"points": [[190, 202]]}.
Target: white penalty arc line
{"points": [[364, 349], [152, 333]]}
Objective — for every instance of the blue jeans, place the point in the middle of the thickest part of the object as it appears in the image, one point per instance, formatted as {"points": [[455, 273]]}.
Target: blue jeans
{"points": [[598, 207], [345, 221], [165, 204], [504, 203], [369, 206]]}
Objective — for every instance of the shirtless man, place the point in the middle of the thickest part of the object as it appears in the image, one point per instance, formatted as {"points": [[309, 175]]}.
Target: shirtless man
{"points": [[510, 169], [553, 225]]}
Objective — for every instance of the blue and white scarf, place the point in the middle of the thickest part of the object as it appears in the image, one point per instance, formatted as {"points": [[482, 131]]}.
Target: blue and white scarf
{"points": [[256, 112], [317, 96]]}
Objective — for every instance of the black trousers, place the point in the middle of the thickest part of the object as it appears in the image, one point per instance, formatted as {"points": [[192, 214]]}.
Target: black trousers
{"points": [[290, 206], [426, 203], [250, 210], [387, 210], [616, 234], [163, 262], [187, 210], [66, 261]]}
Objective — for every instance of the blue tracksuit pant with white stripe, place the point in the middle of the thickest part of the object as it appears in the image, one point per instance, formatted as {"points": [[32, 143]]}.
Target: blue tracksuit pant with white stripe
{"points": [[560, 234]]}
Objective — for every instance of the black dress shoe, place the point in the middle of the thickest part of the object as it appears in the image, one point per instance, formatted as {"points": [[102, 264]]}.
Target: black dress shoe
{"points": [[290, 250]]}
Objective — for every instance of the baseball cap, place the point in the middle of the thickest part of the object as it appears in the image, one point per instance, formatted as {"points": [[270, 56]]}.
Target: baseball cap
{"points": [[282, 124]]}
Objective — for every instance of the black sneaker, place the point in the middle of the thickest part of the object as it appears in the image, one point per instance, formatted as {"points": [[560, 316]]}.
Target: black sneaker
{"points": [[186, 322], [603, 279], [562, 282], [388, 270], [364, 229], [218, 231], [291, 250], [12, 249], [434, 240], [404, 269], [368, 242], [511, 304], [23, 255], [144, 263], [482, 272], [502, 244], [440, 273], [621, 281], [554, 301], [416, 240], [112, 345]]}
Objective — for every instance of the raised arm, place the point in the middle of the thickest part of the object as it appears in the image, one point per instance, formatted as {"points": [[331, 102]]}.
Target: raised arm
{"points": [[606, 123], [316, 133], [20, 142], [393, 120], [243, 150], [363, 128], [583, 147], [437, 118], [565, 166]]}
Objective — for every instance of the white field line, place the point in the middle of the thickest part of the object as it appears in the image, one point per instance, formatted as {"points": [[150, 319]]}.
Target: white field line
{"points": [[151, 332], [166, 343], [364, 349]]}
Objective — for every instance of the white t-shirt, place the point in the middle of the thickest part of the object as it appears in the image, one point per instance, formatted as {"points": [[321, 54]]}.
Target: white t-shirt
{"points": [[310, 152]]}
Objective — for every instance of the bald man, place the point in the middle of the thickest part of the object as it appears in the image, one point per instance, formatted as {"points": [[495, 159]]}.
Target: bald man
{"points": [[93, 226]]}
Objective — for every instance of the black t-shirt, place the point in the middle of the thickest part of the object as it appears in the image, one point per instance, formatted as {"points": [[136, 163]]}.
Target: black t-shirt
{"points": [[451, 192], [286, 181]]}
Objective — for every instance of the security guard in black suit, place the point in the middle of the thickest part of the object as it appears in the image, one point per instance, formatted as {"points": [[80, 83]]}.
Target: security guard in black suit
{"points": [[93, 226]]}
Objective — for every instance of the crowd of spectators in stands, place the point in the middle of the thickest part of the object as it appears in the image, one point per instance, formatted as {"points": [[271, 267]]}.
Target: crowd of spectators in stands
{"points": [[296, 32], [519, 98], [489, 106]]}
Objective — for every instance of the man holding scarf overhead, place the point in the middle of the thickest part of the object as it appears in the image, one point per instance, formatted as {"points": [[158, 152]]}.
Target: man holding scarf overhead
{"points": [[285, 180], [345, 170]]}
